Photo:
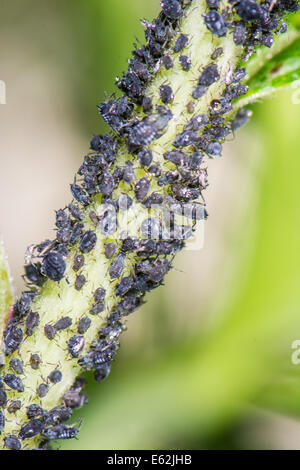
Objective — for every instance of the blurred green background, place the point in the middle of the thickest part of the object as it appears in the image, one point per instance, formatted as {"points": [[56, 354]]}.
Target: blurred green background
{"points": [[206, 363]]}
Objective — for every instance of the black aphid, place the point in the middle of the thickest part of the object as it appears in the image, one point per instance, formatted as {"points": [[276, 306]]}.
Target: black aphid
{"points": [[55, 376], [249, 10], [14, 382], [49, 331], [145, 157], [209, 75], [79, 194], [147, 104], [76, 232], [75, 345], [215, 23], [12, 443], [185, 139], [166, 94], [78, 262], [75, 211], [54, 266], [62, 219], [217, 53], [83, 325], [22, 306], [117, 266], [33, 273], [32, 321], [106, 184], [99, 294], [2, 421], [241, 118], [167, 61], [60, 431], [181, 43], [101, 372], [213, 4], [58, 415], [63, 323], [14, 406], [88, 241], [124, 286], [214, 149], [110, 249], [13, 337], [80, 281], [185, 62], [3, 398], [97, 308], [31, 429], [171, 9], [141, 189], [128, 173], [35, 361], [42, 390], [33, 411], [239, 34], [176, 157], [199, 91]]}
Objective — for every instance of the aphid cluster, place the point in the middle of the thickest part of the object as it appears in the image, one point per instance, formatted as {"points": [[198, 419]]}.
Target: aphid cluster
{"points": [[175, 182]]}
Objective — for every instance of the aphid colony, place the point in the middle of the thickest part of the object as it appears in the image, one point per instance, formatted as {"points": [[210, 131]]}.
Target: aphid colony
{"points": [[180, 178]]}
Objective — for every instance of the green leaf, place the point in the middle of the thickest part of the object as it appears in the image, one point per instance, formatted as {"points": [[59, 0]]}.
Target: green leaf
{"points": [[279, 72]]}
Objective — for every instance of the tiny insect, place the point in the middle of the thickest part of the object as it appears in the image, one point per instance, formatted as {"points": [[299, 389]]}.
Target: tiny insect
{"points": [[166, 94], [171, 9], [13, 337], [78, 261], [75, 211], [12, 443], [110, 249], [180, 43], [217, 53], [185, 62], [80, 281], [213, 3], [55, 376], [83, 325], [239, 34], [88, 241], [209, 75], [13, 382], [33, 273], [249, 10], [145, 157], [3, 398], [54, 266], [33, 411], [2, 421], [99, 294], [101, 372], [98, 307], [215, 23], [141, 189], [124, 286], [106, 184], [75, 345], [60, 431], [35, 361], [14, 406], [79, 194], [49, 331], [42, 390], [63, 323], [147, 104], [167, 61], [58, 415], [31, 429], [198, 92]]}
